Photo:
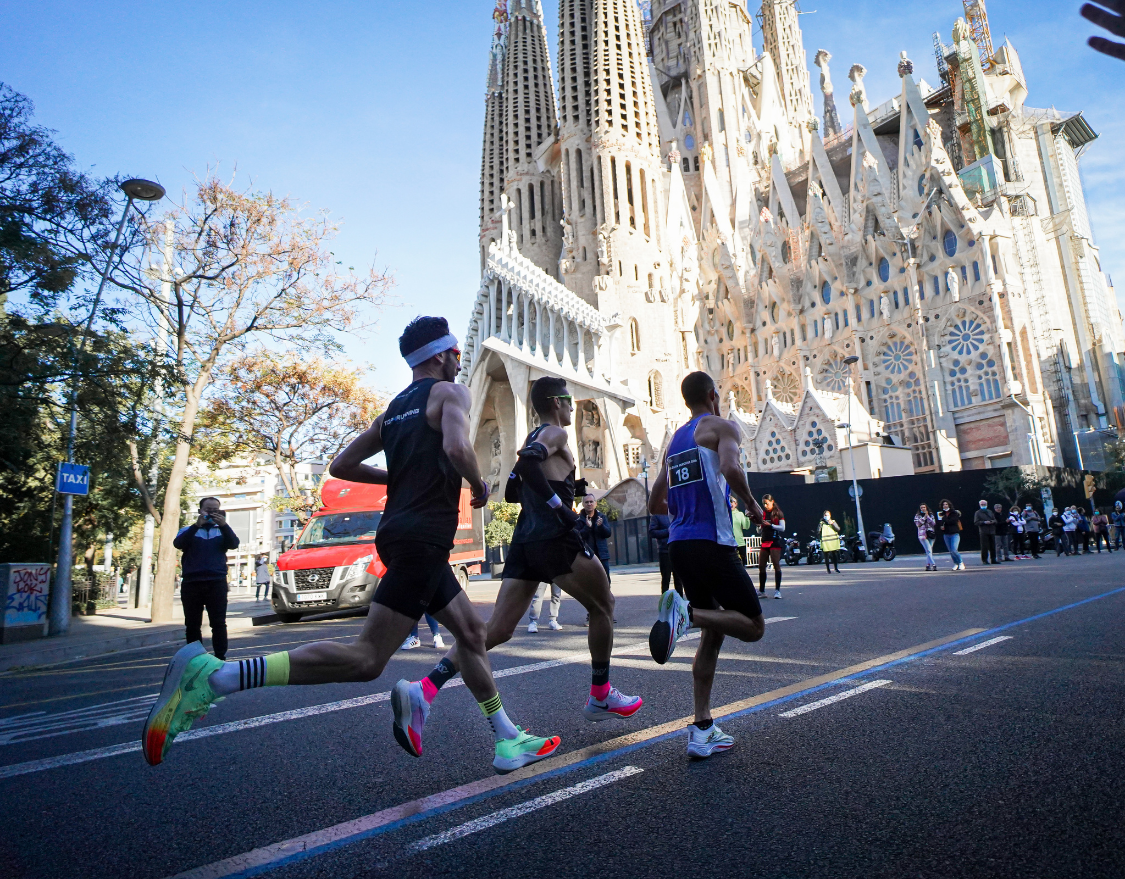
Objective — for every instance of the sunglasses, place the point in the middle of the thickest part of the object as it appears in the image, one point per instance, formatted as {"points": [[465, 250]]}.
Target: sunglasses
{"points": [[568, 397]]}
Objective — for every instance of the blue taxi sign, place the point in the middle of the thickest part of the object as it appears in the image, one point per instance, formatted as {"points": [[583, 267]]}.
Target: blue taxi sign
{"points": [[72, 479]]}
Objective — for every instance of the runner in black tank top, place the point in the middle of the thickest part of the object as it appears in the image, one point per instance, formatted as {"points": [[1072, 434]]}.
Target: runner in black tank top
{"points": [[546, 548], [424, 433]]}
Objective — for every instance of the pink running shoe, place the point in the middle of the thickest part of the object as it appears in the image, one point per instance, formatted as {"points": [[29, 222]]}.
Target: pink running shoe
{"points": [[411, 710], [616, 703]]}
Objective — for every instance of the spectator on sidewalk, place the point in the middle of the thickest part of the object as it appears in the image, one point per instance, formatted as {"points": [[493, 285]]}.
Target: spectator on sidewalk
{"points": [[1016, 532], [593, 528], [413, 641], [1057, 524], [1032, 525], [1070, 529], [1003, 534], [1100, 526], [830, 541], [1118, 520], [658, 524], [985, 520], [537, 608], [1082, 530], [925, 525], [950, 521], [204, 545], [740, 524], [262, 578]]}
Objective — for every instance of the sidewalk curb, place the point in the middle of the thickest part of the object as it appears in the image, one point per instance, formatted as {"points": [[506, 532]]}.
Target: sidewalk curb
{"points": [[57, 653]]}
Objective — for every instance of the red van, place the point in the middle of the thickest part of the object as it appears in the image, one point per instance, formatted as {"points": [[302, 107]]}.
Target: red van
{"points": [[334, 564]]}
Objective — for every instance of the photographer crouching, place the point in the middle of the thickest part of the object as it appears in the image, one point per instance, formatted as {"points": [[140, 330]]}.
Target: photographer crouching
{"points": [[204, 545]]}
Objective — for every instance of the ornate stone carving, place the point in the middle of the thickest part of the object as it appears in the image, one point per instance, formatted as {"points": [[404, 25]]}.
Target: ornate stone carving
{"points": [[604, 257], [775, 346], [905, 65], [831, 118], [885, 307], [858, 96], [953, 284], [591, 451], [828, 327]]}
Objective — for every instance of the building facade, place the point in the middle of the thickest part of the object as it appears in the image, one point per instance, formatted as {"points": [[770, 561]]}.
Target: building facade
{"points": [[681, 206]]}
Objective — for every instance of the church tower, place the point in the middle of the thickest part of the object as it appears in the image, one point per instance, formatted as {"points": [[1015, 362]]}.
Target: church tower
{"points": [[492, 152], [529, 123], [783, 43]]}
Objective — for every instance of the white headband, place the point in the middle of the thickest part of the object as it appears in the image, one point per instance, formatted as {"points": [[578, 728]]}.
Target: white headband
{"points": [[421, 355]]}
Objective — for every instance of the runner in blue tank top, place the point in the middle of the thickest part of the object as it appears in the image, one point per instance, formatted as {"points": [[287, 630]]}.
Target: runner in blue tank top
{"points": [[700, 470]]}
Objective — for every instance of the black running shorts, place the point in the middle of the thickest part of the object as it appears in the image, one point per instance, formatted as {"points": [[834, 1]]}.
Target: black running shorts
{"points": [[418, 579], [713, 576], [541, 561]]}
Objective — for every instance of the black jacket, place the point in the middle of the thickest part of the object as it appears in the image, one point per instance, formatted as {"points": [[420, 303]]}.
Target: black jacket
{"points": [[595, 534], [658, 525]]}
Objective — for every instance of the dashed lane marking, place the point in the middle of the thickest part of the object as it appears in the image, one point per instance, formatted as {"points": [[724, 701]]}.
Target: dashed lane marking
{"points": [[831, 700], [982, 645], [97, 717]]}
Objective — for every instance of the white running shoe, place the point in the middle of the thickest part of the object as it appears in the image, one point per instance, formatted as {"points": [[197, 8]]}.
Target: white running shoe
{"points": [[705, 742], [411, 642], [439, 643], [777, 593], [554, 626], [615, 703], [671, 623], [532, 627], [410, 709]]}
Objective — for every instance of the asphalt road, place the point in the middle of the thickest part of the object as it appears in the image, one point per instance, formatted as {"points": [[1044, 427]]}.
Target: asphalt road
{"points": [[914, 755]]}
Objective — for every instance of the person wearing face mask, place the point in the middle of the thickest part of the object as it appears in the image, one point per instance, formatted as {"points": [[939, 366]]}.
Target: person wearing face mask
{"points": [[1117, 518], [830, 542], [1003, 534], [1057, 524], [1032, 525], [985, 520], [950, 521], [1070, 530], [924, 524]]}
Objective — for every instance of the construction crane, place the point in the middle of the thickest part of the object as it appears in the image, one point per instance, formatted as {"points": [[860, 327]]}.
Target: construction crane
{"points": [[976, 16]]}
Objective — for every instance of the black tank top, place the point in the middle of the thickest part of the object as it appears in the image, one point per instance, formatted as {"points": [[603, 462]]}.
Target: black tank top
{"points": [[537, 521], [423, 487]]}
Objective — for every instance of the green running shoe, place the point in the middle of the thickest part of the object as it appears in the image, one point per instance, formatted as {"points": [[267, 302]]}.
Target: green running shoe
{"points": [[185, 697], [512, 754]]}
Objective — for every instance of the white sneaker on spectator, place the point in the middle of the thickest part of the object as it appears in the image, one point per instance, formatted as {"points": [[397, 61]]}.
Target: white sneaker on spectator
{"points": [[532, 627]]}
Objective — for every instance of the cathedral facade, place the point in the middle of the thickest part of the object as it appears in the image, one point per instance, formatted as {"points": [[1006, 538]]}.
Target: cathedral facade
{"points": [[922, 270]]}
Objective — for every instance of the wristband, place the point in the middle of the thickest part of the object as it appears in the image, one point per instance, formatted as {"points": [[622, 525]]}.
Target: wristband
{"points": [[554, 502]]}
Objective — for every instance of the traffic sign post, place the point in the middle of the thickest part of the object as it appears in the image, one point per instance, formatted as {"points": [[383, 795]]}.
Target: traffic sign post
{"points": [[73, 479]]}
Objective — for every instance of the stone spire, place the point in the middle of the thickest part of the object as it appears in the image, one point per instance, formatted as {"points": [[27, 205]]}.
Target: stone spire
{"points": [[831, 119], [530, 121], [492, 152], [782, 36]]}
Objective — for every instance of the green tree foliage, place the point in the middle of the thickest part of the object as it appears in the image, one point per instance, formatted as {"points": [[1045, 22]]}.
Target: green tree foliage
{"points": [[55, 222], [1013, 484], [499, 530]]}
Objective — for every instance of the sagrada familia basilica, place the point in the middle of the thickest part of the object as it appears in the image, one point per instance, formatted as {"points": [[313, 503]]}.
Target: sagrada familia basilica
{"points": [[669, 200]]}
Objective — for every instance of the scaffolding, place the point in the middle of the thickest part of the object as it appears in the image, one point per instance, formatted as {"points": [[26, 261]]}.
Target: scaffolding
{"points": [[976, 16]]}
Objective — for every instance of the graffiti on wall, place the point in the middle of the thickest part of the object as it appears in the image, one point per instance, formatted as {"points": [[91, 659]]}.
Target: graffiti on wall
{"points": [[26, 603]]}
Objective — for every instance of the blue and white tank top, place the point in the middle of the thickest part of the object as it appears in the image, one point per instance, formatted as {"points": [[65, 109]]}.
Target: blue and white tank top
{"points": [[698, 495]]}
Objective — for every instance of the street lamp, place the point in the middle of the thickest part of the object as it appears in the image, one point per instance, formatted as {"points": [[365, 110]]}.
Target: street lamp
{"points": [[61, 594], [850, 360]]}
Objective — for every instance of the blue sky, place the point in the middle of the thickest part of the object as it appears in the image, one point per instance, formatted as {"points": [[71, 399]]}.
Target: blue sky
{"points": [[374, 110]]}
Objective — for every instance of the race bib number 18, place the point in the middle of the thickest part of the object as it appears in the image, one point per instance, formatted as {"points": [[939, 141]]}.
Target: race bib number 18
{"points": [[684, 467]]}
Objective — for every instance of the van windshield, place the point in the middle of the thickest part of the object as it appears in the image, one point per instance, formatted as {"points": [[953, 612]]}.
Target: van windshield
{"points": [[340, 528]]}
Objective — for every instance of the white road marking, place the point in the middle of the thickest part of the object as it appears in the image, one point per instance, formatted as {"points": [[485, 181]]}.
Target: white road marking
{"points": [[30, 728], [839, 697], [31, 766], [982, 645], [486, 821]]}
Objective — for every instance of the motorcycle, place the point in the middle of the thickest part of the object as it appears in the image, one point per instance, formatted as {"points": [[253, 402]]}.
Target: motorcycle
{"points": [[882, 547], [813, 552], [792, 552], [852, 549]]}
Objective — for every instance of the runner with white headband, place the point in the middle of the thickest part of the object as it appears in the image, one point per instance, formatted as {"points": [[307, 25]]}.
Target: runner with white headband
{"points": [[424, 432]]}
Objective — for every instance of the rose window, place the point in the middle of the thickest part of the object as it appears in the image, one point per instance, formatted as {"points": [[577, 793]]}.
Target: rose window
{"points": [[834, 375], [786, 387], [966, 337], [897, 357], [815, 432]]}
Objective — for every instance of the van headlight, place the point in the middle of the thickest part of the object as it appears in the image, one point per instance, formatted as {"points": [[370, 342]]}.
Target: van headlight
{"points": [[356, 569]]}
